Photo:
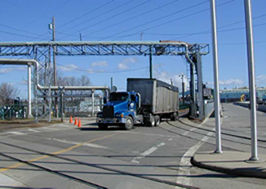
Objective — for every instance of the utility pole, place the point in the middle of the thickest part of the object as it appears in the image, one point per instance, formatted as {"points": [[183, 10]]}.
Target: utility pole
{"points": [[52, 27], [111, 83], [216, 78], [251, 77]]}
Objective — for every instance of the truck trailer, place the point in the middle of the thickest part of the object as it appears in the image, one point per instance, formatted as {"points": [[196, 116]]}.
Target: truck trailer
{"points": [[146, 101]]}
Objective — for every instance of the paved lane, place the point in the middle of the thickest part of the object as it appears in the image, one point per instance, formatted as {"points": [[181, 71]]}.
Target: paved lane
{"points": [[63, 156]]}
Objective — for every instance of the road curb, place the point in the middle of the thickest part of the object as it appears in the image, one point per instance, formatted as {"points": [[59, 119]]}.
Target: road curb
{"points": [[243, 172]]}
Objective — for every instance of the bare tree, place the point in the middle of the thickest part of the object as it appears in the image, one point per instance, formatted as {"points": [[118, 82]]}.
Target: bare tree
{"points": [[73, 81], [7, 93]]}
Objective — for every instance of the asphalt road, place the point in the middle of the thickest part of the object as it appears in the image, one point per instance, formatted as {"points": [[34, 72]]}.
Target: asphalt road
{"points": [[63, 156]]}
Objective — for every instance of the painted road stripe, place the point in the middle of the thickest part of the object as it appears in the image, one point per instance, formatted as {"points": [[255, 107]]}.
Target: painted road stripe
{"points": [[146, 153], [16, 133], [16, 165], [84, 144], [185, 161]]}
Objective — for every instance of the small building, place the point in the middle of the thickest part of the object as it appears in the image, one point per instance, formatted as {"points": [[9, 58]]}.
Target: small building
{"points": [[233, 95]]}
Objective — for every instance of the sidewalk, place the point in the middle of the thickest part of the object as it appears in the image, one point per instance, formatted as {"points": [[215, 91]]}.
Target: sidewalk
{"points": [[231, 162]]}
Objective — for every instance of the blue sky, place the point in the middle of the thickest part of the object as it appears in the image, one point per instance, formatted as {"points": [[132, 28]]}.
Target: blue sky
{"points": [[127, 20]]}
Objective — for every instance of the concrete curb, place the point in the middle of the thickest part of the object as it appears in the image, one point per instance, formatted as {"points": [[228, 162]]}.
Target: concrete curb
{"points": [[255, 171]]}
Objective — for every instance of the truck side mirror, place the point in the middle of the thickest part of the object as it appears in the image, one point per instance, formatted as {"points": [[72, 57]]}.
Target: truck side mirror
{"points": [[104, 100]]}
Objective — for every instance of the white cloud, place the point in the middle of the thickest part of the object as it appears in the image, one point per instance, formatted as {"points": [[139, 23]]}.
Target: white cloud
{"points": [[175, 78], [124, 64], [99, 63], [261, 80], [228, 83], [91, 71], [231, 82], [7, 70], [68, 68], [4, 70]]}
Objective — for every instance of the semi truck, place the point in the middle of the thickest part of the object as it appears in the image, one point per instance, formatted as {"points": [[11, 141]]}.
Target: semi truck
{"points": [[146, 101]]}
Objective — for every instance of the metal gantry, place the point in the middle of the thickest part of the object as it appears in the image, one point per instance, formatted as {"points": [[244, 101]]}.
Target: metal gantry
{"points": [[100, 48], [41, 51]]}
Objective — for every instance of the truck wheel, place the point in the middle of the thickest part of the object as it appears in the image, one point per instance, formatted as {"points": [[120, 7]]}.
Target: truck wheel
{"points": [[102, 126], [157, 120], [152, 121], [173, 117], [129, 123]]}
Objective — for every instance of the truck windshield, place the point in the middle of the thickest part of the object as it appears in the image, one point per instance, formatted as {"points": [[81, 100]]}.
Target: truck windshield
{"points": [[118, 96]]}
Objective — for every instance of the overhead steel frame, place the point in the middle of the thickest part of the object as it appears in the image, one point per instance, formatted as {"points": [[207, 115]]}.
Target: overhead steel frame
{"points": [[41, 51]]}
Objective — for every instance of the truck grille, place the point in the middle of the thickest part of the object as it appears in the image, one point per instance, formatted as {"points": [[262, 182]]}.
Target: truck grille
{"points": [[108, 111]]}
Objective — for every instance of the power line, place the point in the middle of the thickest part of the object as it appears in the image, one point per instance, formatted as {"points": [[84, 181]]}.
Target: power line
{"points": [[17, 34], [219, 28], [169, 21], [106, 12], [86, 13], [141, 14], [160, 18], [117, 14]]}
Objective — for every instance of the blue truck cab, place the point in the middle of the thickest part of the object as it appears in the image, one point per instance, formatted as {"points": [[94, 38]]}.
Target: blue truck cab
{"points": [[121, 109]]}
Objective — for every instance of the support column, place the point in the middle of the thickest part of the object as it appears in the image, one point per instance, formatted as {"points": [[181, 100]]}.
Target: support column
{"points": [[29, 113], [200, 87], [192, 92]]}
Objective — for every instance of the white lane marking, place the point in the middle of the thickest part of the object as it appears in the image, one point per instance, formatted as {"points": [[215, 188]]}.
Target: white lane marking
{"points": [[84, 144], [148, 134], [16, 133], [185, 161], [33, 130], [170, 139], [190, 130], [146, 153]]}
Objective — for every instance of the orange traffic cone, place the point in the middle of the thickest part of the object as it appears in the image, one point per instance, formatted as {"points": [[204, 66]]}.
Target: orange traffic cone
{"points": [[76, 121], [79, 124], [70, 119]]}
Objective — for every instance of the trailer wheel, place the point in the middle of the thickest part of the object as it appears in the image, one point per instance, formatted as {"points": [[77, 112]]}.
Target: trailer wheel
{"points": [[129, 123], [102, 126], [173, 117], [152, 121], [157, 120]]}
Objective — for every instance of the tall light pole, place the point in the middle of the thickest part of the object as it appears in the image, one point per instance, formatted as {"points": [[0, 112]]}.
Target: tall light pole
{"points": [[251, 77], [54, 50], [216, 78]]}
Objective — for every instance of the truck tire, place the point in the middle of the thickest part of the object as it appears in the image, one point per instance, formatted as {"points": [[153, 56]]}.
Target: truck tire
{"points": [[173, 116], [152, 121], [157, 121], [102, 126], [129, 123]]}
